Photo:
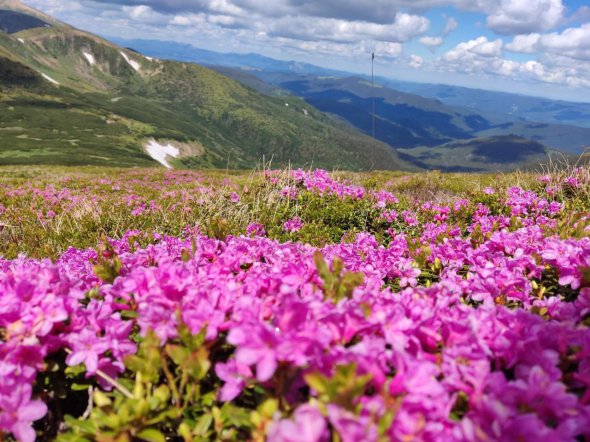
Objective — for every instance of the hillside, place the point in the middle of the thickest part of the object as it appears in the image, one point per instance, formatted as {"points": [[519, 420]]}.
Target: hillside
{"points": [[71, 97], [500, 153]]}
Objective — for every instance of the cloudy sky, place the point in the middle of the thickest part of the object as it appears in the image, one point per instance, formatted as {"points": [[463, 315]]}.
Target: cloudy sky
{"points": [[539, 47]]}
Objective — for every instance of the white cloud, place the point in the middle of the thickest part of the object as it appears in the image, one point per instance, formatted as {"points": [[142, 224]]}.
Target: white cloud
{"points": [[358, 50], [144, 14], [526, 44], [416, 61], [431, 41], [472, 49], [450, 25], [388, 49], [480, 56], [525, 16], [572, 42], [404, 27]]}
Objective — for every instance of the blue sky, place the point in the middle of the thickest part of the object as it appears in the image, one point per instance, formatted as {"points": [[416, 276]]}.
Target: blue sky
{"points": [[537, 47]]}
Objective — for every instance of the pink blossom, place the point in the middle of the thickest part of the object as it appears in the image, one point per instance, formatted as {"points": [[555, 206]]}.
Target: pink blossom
{"points": [[293, 225]]}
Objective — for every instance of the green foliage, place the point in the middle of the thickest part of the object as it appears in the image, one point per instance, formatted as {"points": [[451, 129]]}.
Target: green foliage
{"points": [[342, 388], [169, 391], [337, 285]]}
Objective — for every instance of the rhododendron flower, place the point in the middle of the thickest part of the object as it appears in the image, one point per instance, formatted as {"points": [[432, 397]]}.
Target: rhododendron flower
{"points": [[234, 197], [255, 229], [18, 412], [256, 346], [289, 192], [307, 425], [234, 375], [86, 349], [572, 182], [293, 224], [352, 428]]}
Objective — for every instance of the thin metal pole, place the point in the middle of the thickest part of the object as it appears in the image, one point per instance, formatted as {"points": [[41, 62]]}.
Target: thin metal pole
{"points": [[373, 91]]}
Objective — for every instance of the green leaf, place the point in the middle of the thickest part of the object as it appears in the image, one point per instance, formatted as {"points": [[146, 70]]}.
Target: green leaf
{"points": [[269, 407], [101, 399], [178, 354], [151, 435], [203, 424], [317, 382]]}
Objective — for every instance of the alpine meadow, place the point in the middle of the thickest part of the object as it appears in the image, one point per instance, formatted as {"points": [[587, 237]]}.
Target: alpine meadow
{"points": [[294, 221]]}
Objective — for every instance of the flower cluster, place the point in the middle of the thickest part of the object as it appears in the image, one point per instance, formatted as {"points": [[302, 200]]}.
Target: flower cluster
{"points": [[468, 332]]}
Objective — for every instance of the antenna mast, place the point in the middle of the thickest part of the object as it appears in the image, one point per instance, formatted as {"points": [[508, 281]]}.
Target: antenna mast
{"points": [[373, 91]]}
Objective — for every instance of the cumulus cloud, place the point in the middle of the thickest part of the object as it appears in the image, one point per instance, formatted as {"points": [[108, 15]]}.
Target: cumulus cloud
{"points": [[416, 61], [450, 25], [572, 42], [525, 44], [481, 56], [431, 41], [472, 49], [144, 14], [404, 27], [526, 16]]}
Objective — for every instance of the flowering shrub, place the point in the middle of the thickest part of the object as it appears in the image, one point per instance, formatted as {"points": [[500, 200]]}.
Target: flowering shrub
{"points": [[463, 321]]}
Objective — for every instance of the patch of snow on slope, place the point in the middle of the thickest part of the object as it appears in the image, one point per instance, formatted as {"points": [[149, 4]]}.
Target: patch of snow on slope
{"points": [[21, 40], [159, 152], [90, 58], [48, 78], [132, 63], [149, 58]]}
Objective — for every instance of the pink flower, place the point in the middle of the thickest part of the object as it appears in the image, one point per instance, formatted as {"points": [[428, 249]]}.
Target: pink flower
{"points": [[352, 428], [86, 349], [18, 412], [255, 346], [307, 425], [255, 229], [234, 197], [293, 225], [235, 376]]}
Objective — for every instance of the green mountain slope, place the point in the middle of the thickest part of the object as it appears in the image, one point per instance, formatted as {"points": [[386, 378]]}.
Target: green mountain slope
{"points": [[69, 97], [496, 153]]}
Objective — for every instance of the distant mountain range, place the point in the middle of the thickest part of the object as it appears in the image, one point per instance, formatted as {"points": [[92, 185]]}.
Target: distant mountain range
{"points": [[70, 97], [534, 109]]}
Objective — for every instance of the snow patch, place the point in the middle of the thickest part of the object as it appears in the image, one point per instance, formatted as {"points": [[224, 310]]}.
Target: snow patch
{"points": [[114, 100], [90, 58], [159, 152], [132, 63], [305, 112], [48, 78], [21, 40], [149, 58]]}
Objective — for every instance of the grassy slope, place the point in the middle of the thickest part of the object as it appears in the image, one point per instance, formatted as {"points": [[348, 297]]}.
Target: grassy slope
{"points": [[98, 203], [500, 153], [105, 112]]}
